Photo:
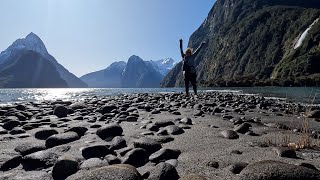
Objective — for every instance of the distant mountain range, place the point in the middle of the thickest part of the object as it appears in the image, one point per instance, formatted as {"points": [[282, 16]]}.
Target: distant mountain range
{"points": [[27, 64], [257, 43], [110, 77], [163, 65], [136, 73]]}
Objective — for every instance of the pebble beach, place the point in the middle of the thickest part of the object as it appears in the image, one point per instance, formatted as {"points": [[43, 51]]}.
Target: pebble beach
{"points": [[160, 136]]}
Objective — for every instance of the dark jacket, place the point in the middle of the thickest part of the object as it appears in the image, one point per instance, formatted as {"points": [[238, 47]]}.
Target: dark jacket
{"points": [[188, 62]]}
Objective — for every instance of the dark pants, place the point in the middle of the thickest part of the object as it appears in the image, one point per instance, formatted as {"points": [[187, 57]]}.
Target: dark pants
{"points": [[192, 77]]}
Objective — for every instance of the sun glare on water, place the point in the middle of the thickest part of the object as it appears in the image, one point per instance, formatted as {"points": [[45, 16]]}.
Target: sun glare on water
{"points": [[56, 94]]}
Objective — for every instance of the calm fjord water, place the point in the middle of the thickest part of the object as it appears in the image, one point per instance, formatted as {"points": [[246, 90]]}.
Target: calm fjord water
{"points": [[296, 94]]}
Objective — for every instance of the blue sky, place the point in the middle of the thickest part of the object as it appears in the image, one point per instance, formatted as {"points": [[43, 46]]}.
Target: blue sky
{"points": [[88, 35]]}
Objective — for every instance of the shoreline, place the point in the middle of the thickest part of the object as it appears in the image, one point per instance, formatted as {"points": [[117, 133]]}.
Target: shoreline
{"points": [[292, 94], [213, 135]]}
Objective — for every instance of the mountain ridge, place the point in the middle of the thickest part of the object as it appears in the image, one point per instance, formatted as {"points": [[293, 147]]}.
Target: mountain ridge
{"points": [[29, 69], [109, 77], [32, 42], [155, 69], [139, 74]]}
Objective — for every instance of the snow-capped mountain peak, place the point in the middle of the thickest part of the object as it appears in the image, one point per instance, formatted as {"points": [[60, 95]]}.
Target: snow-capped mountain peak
{"points": [[167, 61], [163, 65], [33, 43], [30, 42]]}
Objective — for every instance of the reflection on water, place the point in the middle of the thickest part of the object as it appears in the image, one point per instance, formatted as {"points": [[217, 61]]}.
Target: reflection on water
{"points": [[53, 94], [298, 94], [14, 95]]}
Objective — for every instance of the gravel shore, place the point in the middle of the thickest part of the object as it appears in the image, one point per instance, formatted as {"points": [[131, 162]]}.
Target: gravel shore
{"points": [[160, 137]]}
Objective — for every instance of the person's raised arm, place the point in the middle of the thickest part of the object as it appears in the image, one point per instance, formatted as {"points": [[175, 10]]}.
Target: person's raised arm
{"points": [[181, 49], [196, 52]]}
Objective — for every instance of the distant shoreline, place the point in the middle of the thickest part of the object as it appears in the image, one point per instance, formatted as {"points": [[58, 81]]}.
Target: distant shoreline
{"points": [[294, 94]]}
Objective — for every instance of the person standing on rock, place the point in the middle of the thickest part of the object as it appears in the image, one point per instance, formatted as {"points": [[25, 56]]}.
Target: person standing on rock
{"points": [[188, 64]]}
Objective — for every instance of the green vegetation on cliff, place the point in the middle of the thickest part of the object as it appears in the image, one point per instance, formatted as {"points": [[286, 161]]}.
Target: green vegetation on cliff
{"points": [[257, 42]]}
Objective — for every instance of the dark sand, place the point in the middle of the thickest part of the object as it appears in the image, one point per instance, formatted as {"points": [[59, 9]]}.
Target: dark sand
{"points": [[204, 151]]}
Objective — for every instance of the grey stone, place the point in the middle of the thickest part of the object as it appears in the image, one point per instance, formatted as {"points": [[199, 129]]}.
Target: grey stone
{"points": [[9, 118], [11, 124], [186, 120], [95, 126], [11, 163], [164, 171], [59, 139], [112, 172], [20, 107], [17, 114], [164, 154], [164, 123], [198, 113], [197, 106], [242, 128], [61, 111], [229, 134], [147, 133], [174, 130], [80, 130], [176, 113], [153, 127], [236, 152], [270, 170], [123, 151], [78, 105], [136, 157], [107, 109], [307, 165], [150, 145], [3, 131], [40, 159], [236, 168], [28, 148], [112, 159], [164, 139], [285, 152], [110, 130], [162, 132], [156, 111], [93, 163], [131, 119], [95, 151], [173, 162], [213, 164], [184, 126], [17, 130], [64, 167], [43, 134], [118, 142], [43, 159]]}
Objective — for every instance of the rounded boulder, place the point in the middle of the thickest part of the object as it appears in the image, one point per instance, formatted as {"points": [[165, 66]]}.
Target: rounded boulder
{"points": [[270, 170], [110, 130], [112, 172]]}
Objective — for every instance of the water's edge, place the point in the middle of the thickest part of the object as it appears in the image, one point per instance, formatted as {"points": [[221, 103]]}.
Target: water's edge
{"points": [[309, 95]]}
